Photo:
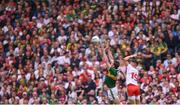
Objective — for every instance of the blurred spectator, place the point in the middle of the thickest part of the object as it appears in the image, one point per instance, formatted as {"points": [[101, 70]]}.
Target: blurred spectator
{"points": [[46, 53]]}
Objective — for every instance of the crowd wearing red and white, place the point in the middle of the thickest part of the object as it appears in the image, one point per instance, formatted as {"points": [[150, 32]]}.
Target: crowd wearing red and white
{"points": [[47, 57]]}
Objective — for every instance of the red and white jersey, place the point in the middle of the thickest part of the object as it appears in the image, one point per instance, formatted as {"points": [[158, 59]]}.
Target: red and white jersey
{"points": [[131, 75]]}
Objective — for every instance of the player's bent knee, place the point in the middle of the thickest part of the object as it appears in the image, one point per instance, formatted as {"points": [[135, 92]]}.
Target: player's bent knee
{"points": [[117, 101], [137, 97], [131, 97]]}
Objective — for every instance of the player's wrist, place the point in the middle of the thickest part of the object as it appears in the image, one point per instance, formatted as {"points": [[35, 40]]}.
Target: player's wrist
{"points": [[134, 55]]}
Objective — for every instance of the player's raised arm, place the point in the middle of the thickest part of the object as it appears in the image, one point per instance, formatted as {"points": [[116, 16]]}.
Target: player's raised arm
{"points": [[128, 57], [105, 57], [131, 56], [110, 56]]}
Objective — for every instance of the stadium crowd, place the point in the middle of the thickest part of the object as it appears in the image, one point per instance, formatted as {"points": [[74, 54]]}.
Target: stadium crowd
{"points": [[47, 56]]}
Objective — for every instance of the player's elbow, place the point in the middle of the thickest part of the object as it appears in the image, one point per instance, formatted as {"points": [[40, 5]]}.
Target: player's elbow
{"points": [[114, 78]]}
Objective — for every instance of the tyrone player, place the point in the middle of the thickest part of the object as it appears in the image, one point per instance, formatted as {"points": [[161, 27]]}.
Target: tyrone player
{"points": [[132, 76]]}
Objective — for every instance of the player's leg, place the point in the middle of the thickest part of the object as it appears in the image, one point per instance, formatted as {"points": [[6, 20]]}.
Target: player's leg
{"points": [[131, 95], [110, 97], [137, 93], [113, 96], [117, 101], [138, 100], [132, 100], [116, 95]]}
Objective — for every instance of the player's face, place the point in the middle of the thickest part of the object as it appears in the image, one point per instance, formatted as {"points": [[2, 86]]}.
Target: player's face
{"points": [[134, 64], [116, 65]]}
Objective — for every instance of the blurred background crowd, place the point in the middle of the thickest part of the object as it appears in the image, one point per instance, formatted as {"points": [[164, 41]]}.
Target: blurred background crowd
{"points": [[47, 57]]}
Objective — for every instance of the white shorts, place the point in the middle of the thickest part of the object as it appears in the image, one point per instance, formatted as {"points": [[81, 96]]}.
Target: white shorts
{"points": [[113, 93]]}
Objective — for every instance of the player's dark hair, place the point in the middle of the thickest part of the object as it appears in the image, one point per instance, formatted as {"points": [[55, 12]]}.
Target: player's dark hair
{"points": [[134, 60], [116, 64]]}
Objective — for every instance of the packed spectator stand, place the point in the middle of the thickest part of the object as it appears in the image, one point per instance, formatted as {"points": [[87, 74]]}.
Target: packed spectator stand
{"points": [[47, 56]]}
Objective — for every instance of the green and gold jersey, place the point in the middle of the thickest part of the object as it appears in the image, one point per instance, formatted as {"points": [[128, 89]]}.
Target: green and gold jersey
{"points": [[111, 77]]}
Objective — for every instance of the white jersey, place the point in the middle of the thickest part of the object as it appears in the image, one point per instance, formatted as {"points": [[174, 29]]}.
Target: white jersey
{"points": [[132, 75]]}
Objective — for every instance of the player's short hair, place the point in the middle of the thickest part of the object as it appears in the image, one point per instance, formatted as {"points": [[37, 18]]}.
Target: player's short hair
{"points": [[116, 64], [134, 60]]}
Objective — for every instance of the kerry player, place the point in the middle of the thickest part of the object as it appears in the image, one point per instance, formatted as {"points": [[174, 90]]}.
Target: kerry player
{"points": [[112, 75]]}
